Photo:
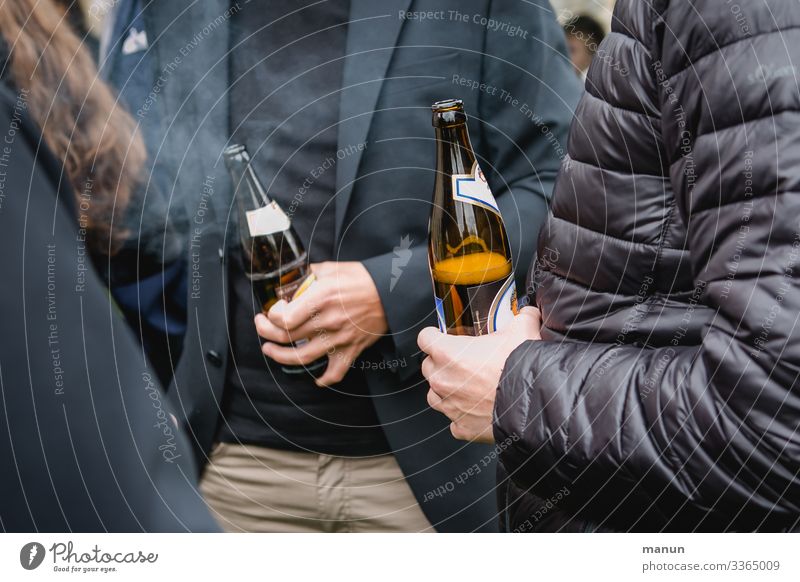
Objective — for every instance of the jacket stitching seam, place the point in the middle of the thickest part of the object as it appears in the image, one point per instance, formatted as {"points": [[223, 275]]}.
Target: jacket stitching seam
{"points": [[605, 101], [738, 201], [654, 245], [719, 48], [770, 115], [635, 174]]}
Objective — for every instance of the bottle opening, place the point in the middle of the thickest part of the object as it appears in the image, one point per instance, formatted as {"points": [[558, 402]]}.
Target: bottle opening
{"points": [[233, 149], [447, 105], [448, 112]]}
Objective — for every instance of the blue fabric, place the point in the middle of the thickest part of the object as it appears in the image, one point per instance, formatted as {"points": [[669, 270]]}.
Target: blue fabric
{"points": [[160, 299]]}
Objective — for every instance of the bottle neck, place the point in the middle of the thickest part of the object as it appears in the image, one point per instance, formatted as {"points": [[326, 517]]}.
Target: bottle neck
{"points": [[247, 187], [453, 148], [257, 191]]}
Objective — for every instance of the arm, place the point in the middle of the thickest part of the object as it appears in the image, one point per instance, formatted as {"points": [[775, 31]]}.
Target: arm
{"points": [[689, 437]]}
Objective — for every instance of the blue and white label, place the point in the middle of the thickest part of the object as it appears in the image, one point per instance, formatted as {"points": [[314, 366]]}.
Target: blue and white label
{"points": [[492, 305], [440, 314], [474, 189], [504, 307]]}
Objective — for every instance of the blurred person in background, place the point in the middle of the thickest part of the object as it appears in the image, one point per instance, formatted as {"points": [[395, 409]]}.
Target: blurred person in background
{"points": [[332, 100], [87, 439], [659, 390], [148, 275], [584, 34]]}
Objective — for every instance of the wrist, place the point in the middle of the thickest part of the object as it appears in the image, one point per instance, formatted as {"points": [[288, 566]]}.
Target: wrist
{"points": [[374, 298]]}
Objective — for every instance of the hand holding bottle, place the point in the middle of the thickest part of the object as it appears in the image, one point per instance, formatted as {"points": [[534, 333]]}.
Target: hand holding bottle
{"points": [[341, 315], [463, 372]]}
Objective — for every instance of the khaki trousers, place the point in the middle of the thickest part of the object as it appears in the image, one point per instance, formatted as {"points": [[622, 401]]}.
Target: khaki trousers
{"points": [[256, 489]]}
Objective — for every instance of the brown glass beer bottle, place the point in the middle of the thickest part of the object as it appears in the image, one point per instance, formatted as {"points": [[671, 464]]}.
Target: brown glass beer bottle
{"points": [[468, 250]]}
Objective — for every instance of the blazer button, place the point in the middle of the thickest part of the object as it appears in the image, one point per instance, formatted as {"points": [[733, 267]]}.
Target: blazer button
{"points": [[214, 357]]}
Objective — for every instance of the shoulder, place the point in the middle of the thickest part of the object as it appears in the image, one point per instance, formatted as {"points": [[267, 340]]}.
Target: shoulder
{"points": [[697, 29], [21, 141], [15, 122]]}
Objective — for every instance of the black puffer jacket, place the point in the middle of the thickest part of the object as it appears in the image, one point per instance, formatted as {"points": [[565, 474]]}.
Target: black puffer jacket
{"points": [[665, 395]]}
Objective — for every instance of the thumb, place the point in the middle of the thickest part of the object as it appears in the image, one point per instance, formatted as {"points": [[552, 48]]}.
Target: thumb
{"points": [[440, 345], [428, 339], [530, 318]]}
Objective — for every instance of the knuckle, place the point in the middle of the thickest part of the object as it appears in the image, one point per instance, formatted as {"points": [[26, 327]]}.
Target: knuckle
{"points": [[275, 334], [324, 292], [336, 374], [281, 321], [343, 319], [426, 368], [277, 355], [309, 352], [432, 400], [436, 387], [333, 319], [261, 328], [294, 319]]}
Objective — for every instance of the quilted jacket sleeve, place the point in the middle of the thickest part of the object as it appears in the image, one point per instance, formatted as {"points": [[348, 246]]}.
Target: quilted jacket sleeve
{"points": [[701, 436]]}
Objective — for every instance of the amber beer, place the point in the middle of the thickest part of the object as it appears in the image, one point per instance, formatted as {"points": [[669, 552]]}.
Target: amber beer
{"points": [[275, 259], [468, 251]]}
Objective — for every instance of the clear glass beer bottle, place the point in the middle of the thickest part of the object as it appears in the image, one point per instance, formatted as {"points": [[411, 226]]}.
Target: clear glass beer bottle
{"points": [[275, 259]]}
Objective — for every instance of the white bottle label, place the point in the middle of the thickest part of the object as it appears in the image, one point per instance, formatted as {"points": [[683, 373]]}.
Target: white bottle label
{"points": [[440, 314], [504, 306], [267, 220], [492, 306], [473, 189]]}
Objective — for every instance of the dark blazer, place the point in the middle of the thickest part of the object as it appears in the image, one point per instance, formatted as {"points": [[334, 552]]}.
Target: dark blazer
{"points": [[396, 66], [86, 440]]}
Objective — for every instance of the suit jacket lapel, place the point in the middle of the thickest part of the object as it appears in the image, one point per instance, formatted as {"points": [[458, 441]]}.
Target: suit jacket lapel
{"points": [[372, 33]]}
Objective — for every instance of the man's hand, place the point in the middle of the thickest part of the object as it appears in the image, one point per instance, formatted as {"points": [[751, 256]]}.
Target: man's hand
{"points": [[340, 314], [463, 372]]}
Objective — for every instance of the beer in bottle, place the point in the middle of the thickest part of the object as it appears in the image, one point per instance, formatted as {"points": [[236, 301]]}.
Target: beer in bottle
{"points": [[275, 259], [468, 250]]}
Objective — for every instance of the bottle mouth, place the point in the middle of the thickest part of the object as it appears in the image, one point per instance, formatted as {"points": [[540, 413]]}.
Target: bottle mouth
{"points": [[233, 150], [447, 105], [448, 112]]}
